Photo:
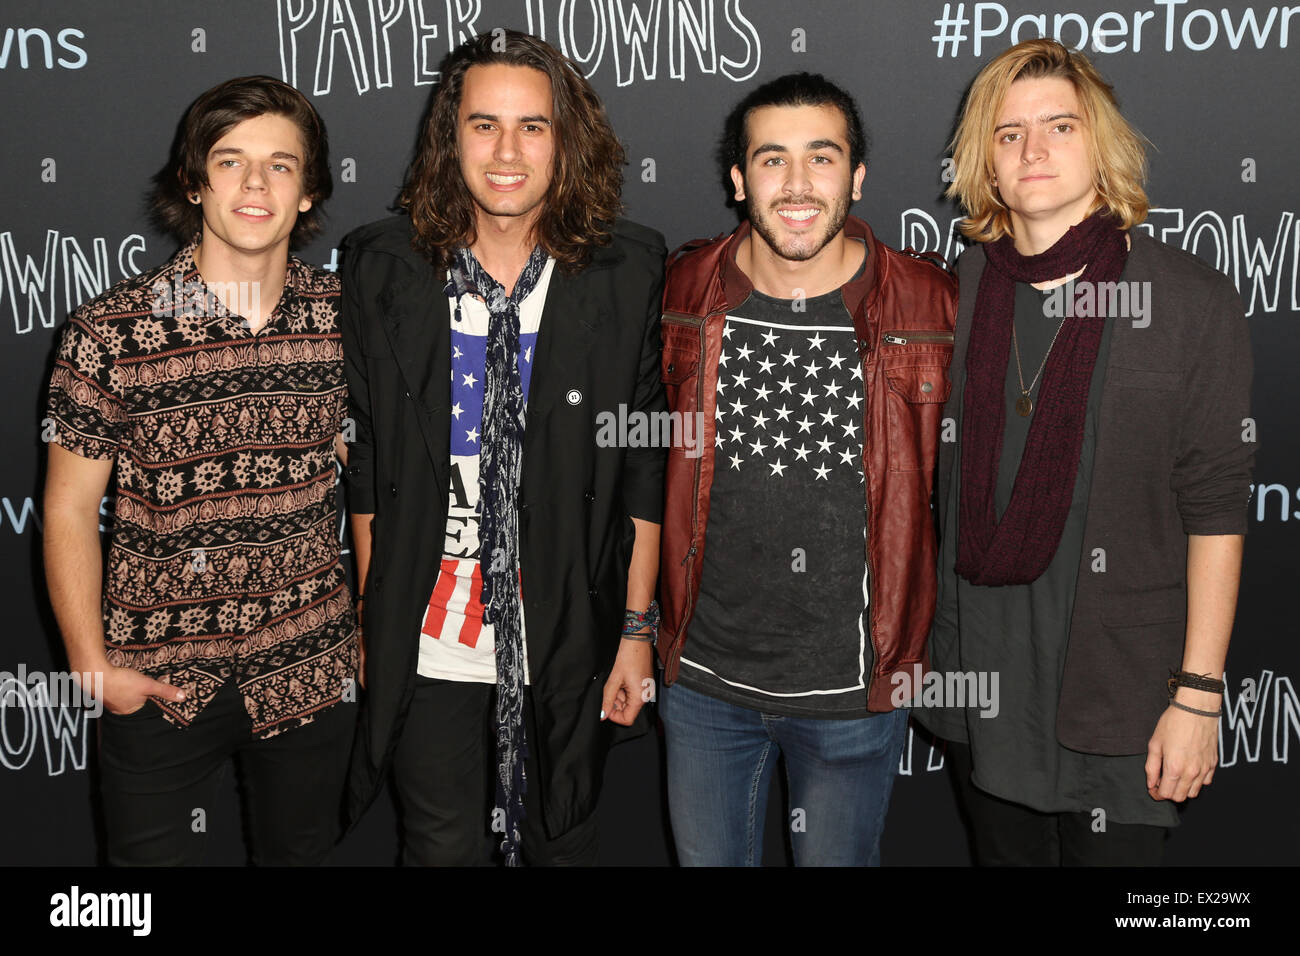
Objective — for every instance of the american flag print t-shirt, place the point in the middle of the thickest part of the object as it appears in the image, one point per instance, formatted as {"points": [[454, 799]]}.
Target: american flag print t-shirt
{"points": [[455, 643]]}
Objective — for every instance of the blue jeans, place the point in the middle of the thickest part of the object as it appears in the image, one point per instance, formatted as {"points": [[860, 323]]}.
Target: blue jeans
{"points": [[720, 762]]}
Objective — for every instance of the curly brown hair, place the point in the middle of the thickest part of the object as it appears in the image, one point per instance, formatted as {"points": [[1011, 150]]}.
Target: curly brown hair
{"points": [[584, 197], [212, 116]]}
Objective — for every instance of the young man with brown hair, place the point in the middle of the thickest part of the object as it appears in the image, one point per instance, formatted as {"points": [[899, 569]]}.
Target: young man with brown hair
{"points": [[499, 541], [214, 386]]}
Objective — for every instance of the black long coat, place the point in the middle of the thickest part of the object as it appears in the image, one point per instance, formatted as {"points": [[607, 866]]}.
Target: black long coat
{"points": [[598, 348]]}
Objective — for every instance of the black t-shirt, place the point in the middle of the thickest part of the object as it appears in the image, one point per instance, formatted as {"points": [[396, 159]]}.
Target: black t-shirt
{"points": [[781, 625]]}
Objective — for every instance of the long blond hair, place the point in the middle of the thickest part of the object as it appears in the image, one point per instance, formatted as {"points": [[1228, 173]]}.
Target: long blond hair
{"points": [[1118, 150]]}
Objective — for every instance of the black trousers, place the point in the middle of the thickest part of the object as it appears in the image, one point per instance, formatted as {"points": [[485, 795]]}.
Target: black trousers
{"points": [[1008, 834], [444, 772], [158, 782]]}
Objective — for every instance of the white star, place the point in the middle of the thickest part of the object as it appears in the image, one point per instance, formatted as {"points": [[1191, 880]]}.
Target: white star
{"points": [[780, 440], [769, 338], [807, 396], [833, 389], [722, 359], [760, 420], [789, 357], [822, 472], [835, 360], [828, 417], [853, 400], [851, 430], [812, 369], [726, 331], [456, 352], [745, 351], [857, 372], [846, 456], [804, 424], [456, 410], [758, 446], [469, 379], [735, 462], [737, 434], [739, 379], [816, 341], [717, 441], [717, 413], [528, 354], [802, 452], [722, 384], [766, 365], [778, 469], [786, 384], [472, 435], [782, 414], [824, 444], [738, 406], [763, 392]]}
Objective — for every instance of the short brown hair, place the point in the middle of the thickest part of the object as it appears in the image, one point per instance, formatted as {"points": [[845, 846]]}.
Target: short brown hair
{"points": [[211, 117], [586, 182], [1117, 149]]}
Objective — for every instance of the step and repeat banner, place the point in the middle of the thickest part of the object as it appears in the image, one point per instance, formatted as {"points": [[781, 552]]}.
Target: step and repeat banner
{"points": [[90, 96]]}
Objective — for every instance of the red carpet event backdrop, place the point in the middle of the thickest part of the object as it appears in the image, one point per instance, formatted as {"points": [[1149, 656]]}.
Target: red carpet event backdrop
{"points": [[92, 93]]}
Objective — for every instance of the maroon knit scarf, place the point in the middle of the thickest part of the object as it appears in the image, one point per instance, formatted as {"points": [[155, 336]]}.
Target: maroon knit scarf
{"points": [[1019, 547]]}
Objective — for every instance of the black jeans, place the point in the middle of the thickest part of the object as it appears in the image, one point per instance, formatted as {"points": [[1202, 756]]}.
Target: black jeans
{"points": [[1008, 834], [158, 781], [444, 771]]}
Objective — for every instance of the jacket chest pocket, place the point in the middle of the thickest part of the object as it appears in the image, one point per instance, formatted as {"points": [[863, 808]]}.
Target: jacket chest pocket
{"points": [[680, 362], [914, 399]]}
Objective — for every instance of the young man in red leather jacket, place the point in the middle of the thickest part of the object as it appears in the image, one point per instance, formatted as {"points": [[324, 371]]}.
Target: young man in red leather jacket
{"points": [[798, 550]]}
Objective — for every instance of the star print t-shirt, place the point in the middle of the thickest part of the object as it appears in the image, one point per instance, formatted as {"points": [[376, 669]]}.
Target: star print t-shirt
{"points": [[780, 625], [455, 643]]}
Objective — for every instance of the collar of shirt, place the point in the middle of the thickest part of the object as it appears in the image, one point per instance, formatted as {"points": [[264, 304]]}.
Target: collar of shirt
{"points": [[194, 296]]}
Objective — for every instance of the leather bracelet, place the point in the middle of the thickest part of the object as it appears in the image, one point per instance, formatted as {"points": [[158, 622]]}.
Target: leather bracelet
{"points": [[1193, 710], [1194, 682]]}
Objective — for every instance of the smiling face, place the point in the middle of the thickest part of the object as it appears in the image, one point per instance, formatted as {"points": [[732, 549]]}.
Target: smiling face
{"points": [[255, 187], [1042, 162], [505, 141], [798, 179]]}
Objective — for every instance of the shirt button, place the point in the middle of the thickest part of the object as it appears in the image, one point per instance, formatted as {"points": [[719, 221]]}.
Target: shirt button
{"points": [[591, 592], [927, 387], [392, 489], [589, 496]]}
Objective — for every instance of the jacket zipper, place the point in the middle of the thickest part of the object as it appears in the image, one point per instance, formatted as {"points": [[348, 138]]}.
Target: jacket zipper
{"points": [[903, 336], [688, 562], [866, 511]]}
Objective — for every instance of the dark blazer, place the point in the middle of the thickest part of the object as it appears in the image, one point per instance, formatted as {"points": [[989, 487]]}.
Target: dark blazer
{"points": [[598, 348], [1170, 461]]}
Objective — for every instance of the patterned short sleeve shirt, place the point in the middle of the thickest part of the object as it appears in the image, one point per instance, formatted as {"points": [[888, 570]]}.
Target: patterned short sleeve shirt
{"points": [[224, 557]]}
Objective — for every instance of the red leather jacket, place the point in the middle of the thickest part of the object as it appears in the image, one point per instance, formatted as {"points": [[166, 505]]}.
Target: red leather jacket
{"points": [[903, 309]]}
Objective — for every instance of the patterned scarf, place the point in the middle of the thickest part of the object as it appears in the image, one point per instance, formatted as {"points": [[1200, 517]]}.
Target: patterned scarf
{"points": [[1019, 547], [500, 457]]}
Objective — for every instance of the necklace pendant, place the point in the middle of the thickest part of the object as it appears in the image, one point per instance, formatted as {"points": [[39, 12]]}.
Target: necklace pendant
{"points": [[1024, 405]]}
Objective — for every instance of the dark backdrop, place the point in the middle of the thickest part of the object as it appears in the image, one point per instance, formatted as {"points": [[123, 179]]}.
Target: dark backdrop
{"points": [[90, 94]]}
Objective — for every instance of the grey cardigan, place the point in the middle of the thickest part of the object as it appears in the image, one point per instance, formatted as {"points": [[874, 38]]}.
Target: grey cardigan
{"points": [[1171, 460]]}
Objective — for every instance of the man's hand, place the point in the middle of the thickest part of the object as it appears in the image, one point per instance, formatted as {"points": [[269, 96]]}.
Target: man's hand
{"points": [[127, 690], [630, 684], [1184, 750]]}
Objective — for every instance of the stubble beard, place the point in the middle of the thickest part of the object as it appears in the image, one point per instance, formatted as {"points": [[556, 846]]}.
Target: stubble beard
{"points": [[799, 249]]}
